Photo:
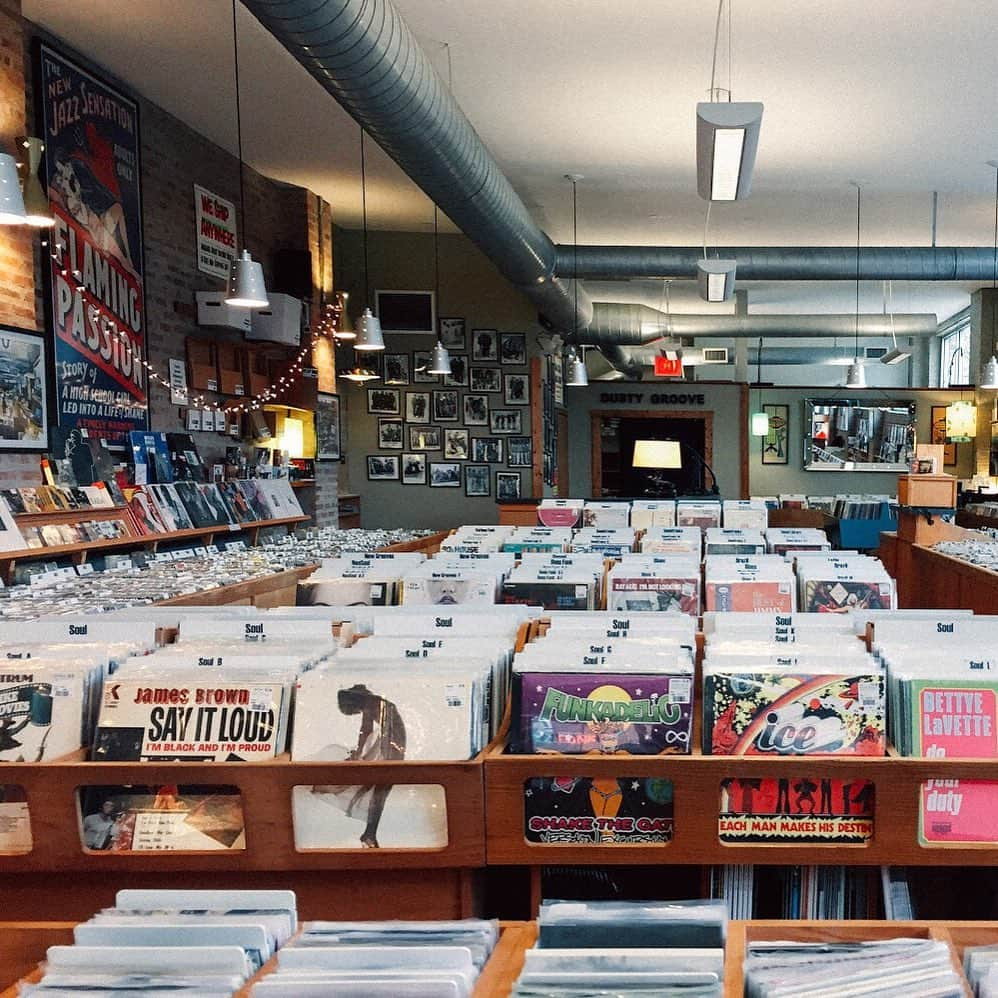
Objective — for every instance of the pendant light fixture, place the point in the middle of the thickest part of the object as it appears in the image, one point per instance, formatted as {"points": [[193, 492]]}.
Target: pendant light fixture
{"points": [[11, 200], [359, 375], [577, 375], [856, 375], [344, 324], [895, 355], [38, 211], [368, 338], [440, 358], [990, 380], [759, 423], [247, 288]]}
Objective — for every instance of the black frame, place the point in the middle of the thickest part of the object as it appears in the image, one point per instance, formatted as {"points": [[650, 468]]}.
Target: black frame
{"points": [[444, 485], [462, 382], [453, 332], [401, 425], [481, 442], [409, 418], [517, 431], [397, 411], [487, 470], [495, 379], [459, 431], [383, 457], [517, 341], [44, 389], [464, 409], [507, 475], [529, 462], [421, 377], [507, 378], [406, 455], [437, 394], [405, 361], [477, 356], [425, 428]]}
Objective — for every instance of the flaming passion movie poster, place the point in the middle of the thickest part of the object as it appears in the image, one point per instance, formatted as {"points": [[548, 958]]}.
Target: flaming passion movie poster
{"points": [[95, 274]]}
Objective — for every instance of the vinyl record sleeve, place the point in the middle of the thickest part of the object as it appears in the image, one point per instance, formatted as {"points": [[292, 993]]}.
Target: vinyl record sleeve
{"points": [[42, 710]]}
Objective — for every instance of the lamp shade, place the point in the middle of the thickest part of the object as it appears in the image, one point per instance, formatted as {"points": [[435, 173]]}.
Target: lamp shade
{"points": [[716, 279], [344, 328], [439, 360], [856, 375], [759, 424], [577, 375], [961, 421], [657, 454], [247, 288], [990, 379], [359, 374], [11, 200], [368, 338], [727, 138], [38, 211]]}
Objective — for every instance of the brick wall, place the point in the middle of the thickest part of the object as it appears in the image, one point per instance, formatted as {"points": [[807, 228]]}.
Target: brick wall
{"points": [[174, 158]]}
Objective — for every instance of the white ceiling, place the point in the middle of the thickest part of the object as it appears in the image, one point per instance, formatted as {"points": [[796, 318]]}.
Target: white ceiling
{"points": [[901, 95]]}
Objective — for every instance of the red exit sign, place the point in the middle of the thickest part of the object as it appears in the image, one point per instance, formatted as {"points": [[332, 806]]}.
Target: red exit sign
{"points": [[665, 368]]}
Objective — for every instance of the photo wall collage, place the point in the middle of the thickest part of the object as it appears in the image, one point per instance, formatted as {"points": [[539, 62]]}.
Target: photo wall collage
{"points": [[469, 428]]}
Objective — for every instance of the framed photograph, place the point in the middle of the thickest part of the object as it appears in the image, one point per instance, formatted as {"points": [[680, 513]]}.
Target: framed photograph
{"points": [[417, 407], [486, 450], [506, 421], [420, 363], [413, 469], [383, 402], [456, 444], [477, 480], [517, 389], [327, 427], [938, 434], [484, 346], [513, 348], [452, 334], [445, 475], [382, 467], [390, 434], [425, 437], [406, 311], [458, 377], [476, 410], [507, 486], [24, 391], [558, 363], [445, 407], [486, 379], [520, 452], [774, 443], [396, 369]]}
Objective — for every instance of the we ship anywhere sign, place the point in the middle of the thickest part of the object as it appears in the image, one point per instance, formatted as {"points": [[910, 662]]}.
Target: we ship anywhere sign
{"points": [[215, 221], [96, 267]]}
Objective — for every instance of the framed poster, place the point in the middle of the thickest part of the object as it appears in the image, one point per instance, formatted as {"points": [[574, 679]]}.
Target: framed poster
{"points": [[774, 443], [382, 467], [445, 475], [390, 434], [938, 434], [395, 367], [477, 480], [23, 391], [452, 335], [513, 348], [484, 345], [413, 469], [327, 427], [507, 486], [384, 402], [95, 272]]}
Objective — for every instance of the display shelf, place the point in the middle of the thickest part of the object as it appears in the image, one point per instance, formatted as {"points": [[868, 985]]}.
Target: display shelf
{"points": [[277, 589], [430, 544], [793, 517], [696, 786], [80, 552]]}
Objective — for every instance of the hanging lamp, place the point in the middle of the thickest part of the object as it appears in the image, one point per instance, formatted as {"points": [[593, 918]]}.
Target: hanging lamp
{"points": [[895, 355], [359, 375], [38, 211], [246, 287], [577, 375], [440, 358], [344, 324], [856, 374], [759, 422], [368, 338], [11, 200]]}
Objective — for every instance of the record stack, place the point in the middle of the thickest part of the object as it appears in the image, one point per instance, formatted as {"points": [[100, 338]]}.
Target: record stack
{"points": [[606, 515], [748, 514], [733, 540], [780, 540], [359, 579], [660, 948], [556, 581], [480, 539], [381, 960], [655, 582], [203, 944], [762, 583], [538, 539], [702, 513], [980, 964], [914, 968], [560, 512], [646, 513], [842, 581], [611, 542], [453, 578], [685, 540]]}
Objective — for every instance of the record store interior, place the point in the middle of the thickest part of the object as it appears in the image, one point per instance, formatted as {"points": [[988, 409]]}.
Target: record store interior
{"points": [[498, 500]]}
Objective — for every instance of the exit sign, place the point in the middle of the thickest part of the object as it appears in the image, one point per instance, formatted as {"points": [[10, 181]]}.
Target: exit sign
{"points": [[665, 368]]}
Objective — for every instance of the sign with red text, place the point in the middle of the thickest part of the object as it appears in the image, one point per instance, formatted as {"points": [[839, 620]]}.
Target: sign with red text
{"points": [[95, 265], [668, 368], [215, 225]]}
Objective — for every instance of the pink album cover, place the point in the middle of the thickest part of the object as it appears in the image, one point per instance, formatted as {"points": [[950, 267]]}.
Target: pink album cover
{"points": [[953, 812], [754, 596]]}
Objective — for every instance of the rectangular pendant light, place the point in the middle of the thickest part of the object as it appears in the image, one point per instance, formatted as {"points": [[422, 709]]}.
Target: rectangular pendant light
{"points": [[727, 139], [716, 279]]}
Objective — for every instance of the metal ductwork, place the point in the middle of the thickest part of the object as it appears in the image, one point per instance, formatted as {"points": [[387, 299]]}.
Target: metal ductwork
{"points": [[363, 53], [631, 359], [784, 263], [618, 325]]}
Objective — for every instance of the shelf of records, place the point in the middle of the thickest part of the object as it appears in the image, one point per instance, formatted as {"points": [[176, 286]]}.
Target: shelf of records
{"points": [[688, 569], [251, 944], [50, 521]]}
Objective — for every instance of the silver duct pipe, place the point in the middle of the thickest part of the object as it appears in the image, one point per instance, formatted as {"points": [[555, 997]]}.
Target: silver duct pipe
{"points": [[616, 324], [785, 263], [364, 55], [772, 356]]}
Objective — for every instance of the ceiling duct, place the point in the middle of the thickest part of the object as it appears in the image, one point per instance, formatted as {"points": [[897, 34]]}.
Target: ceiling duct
{"points": [[365, 56], [785, 263], [616, 324]]}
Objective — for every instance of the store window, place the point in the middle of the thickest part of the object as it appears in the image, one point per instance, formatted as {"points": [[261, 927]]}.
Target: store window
{"points": [[954, 357]]}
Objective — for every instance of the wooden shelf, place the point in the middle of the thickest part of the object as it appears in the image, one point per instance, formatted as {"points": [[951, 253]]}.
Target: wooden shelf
{"points": [[429, 544], [302, 483]]}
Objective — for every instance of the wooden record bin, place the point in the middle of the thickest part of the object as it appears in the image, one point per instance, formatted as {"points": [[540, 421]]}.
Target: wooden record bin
{"points": [[256, 371], [231, 376], [202, 364]]}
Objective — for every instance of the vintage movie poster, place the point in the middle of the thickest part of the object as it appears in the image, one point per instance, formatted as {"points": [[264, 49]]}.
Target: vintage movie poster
{"points": [[604, 811], [796, 810], [95, 271]]}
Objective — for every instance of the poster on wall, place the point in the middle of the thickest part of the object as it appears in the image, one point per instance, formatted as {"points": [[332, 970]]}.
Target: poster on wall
{"points": [[215, 228], [774, 443], [23, 415], [91, 135], [938, 435], [327, 427]]}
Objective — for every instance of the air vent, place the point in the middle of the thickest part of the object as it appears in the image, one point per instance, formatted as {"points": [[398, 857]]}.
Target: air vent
{"points": [[874, 353], [715, 355]]}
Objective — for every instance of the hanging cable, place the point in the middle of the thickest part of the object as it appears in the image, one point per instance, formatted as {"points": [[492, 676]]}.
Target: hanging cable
{"points": [[706, 223], [239, 121], [717, 36], [859, 194]]}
